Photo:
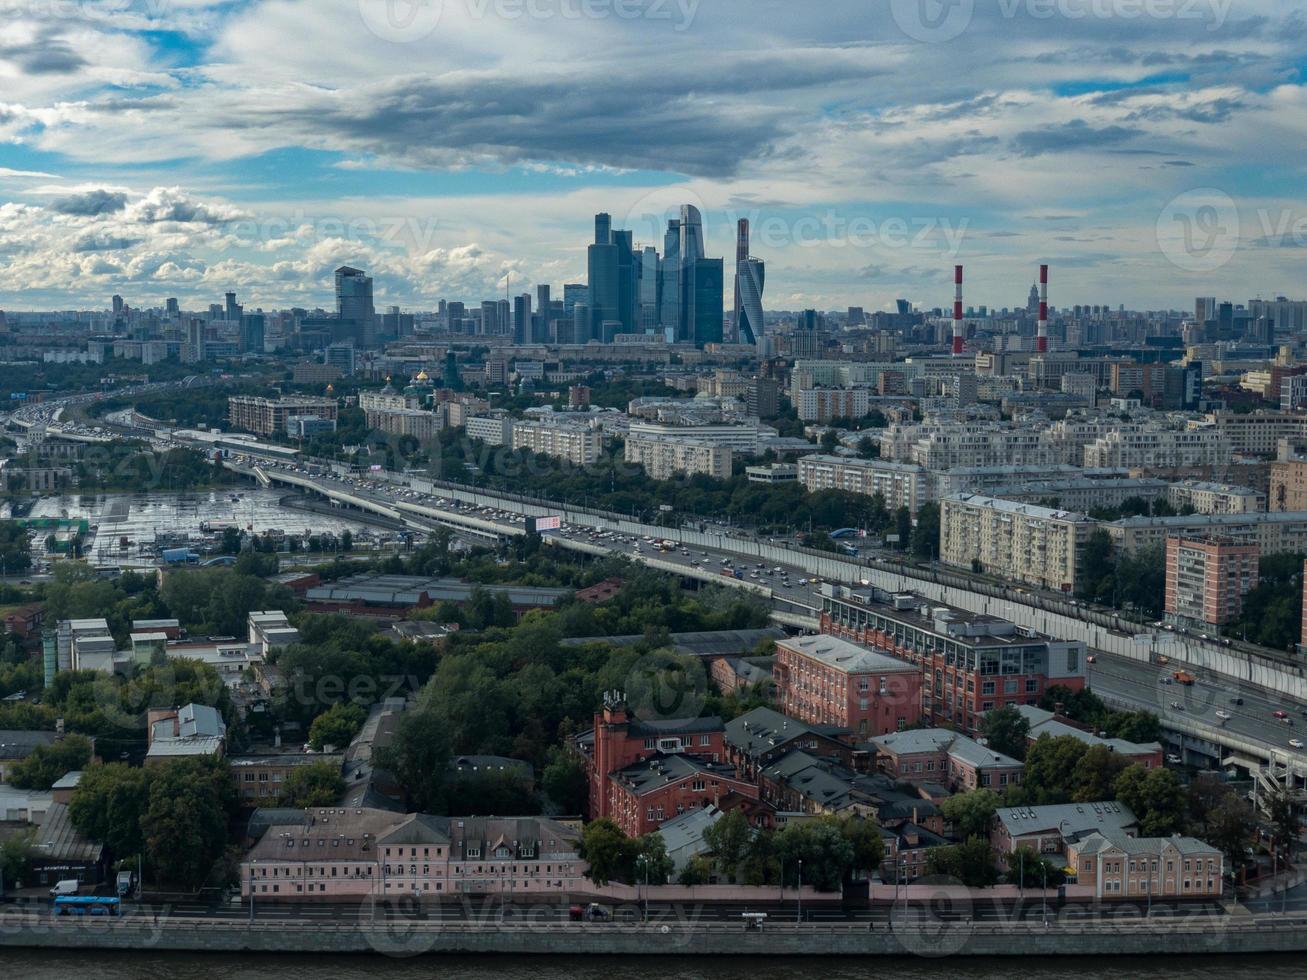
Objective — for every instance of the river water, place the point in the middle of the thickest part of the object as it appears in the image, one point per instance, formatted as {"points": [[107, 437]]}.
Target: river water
{"points": [[42, 965]]}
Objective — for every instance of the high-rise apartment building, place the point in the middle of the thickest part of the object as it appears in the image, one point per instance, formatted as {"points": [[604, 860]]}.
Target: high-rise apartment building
{"points": [[1207, 580]]}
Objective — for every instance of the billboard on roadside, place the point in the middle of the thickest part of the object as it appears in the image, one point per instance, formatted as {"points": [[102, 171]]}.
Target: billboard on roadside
{"points": [[539, 525]]}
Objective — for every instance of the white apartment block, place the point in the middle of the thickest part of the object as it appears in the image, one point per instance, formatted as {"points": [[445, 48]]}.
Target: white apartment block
{"points": [[1215, 498], [493, 430], [664, 458], [1015, 541], [1275, 533], [1257, 433], [1138, 447], [579, 445], [743, 437], [901, 484], [824, 404]]}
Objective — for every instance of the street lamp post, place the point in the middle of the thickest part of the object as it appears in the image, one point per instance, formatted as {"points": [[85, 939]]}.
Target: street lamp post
{"points": [[252, 864], [1043, 870], [643, 861], [799, 897]]}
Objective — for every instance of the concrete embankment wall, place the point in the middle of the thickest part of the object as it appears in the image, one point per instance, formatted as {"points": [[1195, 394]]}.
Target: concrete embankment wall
{"points": [[398, 937]]}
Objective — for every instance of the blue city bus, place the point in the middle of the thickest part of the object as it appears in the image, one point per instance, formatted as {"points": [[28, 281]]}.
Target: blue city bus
{"points": [[86, 905]]}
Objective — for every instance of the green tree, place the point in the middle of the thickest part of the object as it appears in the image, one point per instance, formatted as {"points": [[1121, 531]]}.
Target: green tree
{"points": [[728, 841], [15, 855], [1030, 869], [190, 804], [604, 848], [505, 794], [827, 855], [925, 536], [1096, 577], [49, 763], [1279, 807], [1095, 775], [1050, 769], [565, 782], [1006, 730], [419, 756], [648, 860], [107, 806], [319, 784], [336, 726], [697, 871], [903, 527], [1156, 797], [971, 813], [973, 863]]}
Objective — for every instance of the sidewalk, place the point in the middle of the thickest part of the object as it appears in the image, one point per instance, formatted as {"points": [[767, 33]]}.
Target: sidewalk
{"points": [[1268, 887]]}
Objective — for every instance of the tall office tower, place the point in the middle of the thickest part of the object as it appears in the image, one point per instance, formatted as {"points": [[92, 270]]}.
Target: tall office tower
{"points": [[489, 318], [522, 319], [354, 307], [857, 317], [627, 298], [172, 307], [669, 282], [691, 253], [573, 293], [604, 272], [117, 305], [750, 279], [646, 261], [232, 312], [540, 322], [581, 324], [253, 332], [505, 317], [1204, 309], [707, 301]]}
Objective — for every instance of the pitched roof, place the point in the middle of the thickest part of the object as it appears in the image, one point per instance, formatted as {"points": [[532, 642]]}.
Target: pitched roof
{"points": [[761, 730]]}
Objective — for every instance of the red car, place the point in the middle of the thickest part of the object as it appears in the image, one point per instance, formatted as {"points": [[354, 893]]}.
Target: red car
{"points": [[1280, 714]]}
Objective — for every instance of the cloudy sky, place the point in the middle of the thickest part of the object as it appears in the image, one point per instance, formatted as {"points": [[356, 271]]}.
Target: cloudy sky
{"points": [[1151, 150]]}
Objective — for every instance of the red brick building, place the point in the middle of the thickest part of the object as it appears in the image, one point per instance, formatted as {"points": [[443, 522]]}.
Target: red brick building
{"points": [[619, 741], [968, 663], [1207, 580], [824, 680], [642, 796]]}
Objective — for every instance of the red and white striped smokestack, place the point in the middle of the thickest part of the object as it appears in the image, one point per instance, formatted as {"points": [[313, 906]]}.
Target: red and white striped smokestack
{"points": [[1041, 344], [959, 343]]}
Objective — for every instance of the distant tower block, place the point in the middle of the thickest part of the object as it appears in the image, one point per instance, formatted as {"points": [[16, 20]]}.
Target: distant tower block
{"points": [[1041, 343], [959, 342]]}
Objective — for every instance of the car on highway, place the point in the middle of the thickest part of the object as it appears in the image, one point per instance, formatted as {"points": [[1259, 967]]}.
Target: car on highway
{"points": [[1281, 714], [1223, 715], [1295, 743], [1177, 706]]}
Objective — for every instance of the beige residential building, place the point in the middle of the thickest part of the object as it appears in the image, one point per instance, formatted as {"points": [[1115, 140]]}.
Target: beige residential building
{"points": [[664, 458], [1215, 498], [574, 442], [1138, 447], [268, 416], [1255, 433], [1016, 541], [901, 484], [1273, 534], [1288, 485], [1117, 866]]}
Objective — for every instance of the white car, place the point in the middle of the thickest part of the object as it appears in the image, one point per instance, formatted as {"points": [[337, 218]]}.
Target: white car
{"points": [[1295, 743]]}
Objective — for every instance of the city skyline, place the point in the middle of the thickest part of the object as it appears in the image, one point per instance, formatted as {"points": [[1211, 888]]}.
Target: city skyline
{"points": [[186, 149]]}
